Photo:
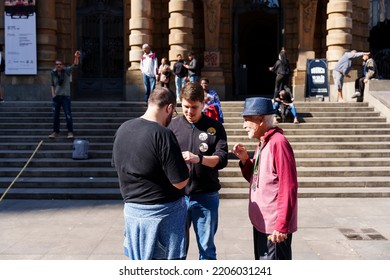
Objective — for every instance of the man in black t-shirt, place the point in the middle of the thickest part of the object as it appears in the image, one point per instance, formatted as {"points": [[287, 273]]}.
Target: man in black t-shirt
{"points": [[152, 174]]}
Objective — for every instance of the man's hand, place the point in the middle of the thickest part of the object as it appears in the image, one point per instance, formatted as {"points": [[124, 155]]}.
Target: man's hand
{"points": [[240, 151], [277, 237], [190, 157]]}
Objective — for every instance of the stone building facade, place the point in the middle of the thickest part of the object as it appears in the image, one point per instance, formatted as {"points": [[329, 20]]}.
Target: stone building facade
{"points": [[236, 41]]}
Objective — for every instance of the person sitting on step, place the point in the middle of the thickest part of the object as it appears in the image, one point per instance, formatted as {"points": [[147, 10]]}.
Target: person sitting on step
{"points": [[284, 98]]}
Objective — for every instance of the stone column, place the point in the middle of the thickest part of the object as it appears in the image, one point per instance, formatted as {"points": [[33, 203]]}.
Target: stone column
{"points": [[181, 25], [141, 26], [339, 40], [46, 35], [339, 26]]}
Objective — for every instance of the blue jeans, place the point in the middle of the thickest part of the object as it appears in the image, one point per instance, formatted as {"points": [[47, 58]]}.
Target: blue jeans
{"points": [[63, 101], [155, 231], [179, 83], [291, 106], [203, 214], [150, 85], [194, 79]]}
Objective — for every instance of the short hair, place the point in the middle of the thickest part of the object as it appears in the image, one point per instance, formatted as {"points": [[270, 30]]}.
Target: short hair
{"points": [[179, 54], [161, 97], [144, 46], [192, 91], [191, 53], [205, 79]]}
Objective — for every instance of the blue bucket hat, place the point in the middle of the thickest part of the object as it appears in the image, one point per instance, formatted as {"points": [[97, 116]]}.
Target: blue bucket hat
{"points": [[257, 106]]}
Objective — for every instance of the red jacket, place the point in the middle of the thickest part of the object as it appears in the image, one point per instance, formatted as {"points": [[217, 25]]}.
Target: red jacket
{"points": [[273, 203]]}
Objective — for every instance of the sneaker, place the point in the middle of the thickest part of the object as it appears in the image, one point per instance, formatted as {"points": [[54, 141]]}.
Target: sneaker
{"points": [[1, 100], [53, 135], [70, 135], [356, 95]]}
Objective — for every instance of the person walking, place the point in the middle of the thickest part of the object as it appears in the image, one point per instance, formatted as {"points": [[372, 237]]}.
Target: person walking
{"points": [[369, 72], [273, 183], [152, 174], [60, 93], [203, 143], [180, 73], [341, 70], [149, 69]]}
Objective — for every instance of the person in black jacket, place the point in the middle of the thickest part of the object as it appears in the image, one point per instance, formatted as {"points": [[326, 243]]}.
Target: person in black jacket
{"points": [[282, 70], [180, 73], [203, 143]]}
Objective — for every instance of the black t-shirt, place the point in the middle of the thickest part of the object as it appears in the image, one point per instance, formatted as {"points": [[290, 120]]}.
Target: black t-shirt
{"points": [[206, 137], [147, 158]]}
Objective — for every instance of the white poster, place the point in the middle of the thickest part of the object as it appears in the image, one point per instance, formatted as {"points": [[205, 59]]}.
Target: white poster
{"points": [[20, 37]]}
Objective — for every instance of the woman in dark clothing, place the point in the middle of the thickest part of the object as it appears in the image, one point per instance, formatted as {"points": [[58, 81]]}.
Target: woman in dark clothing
{"points": [[282, 71]]}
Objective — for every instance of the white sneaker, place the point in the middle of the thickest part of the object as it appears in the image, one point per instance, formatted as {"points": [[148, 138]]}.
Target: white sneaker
{"points": [[356, 95]]}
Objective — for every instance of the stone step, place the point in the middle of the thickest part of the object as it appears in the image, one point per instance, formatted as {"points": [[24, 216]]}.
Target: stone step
{"points": [[325, 126], [340, 149], [331, 162], [326, 146], [317, 131], [320, 138], [325, 119]]}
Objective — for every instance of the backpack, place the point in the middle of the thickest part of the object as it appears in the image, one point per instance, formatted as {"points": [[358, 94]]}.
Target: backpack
{"points": [[2, 64]]}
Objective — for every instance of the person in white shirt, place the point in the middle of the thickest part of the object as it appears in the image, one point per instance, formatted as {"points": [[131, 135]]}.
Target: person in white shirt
{"points": [[149, 69]]}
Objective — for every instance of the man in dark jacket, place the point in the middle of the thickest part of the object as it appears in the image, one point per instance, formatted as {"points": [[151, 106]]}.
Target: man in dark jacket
{"points": [[203, 143], [180, 73]]}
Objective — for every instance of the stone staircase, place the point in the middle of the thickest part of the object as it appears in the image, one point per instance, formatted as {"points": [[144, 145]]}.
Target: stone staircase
{"points": [[340, 149]]}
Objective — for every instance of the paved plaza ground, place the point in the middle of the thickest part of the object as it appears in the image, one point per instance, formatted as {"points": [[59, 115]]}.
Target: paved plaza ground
{"points": [[329, 229]]}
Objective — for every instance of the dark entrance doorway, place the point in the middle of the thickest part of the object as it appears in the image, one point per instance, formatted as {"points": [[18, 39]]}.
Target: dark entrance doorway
{"points": [[100, 39], [257, 41]]}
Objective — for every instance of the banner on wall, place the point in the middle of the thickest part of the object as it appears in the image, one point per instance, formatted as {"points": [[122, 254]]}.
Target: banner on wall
{"points": [[20, 37]]}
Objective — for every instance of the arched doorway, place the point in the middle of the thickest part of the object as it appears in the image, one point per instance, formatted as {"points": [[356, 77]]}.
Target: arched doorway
{"points": [[257, 42], [100, 39]]}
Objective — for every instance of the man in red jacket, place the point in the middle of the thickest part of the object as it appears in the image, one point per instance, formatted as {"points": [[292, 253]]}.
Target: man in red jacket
{"points": [[273, 182]]}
